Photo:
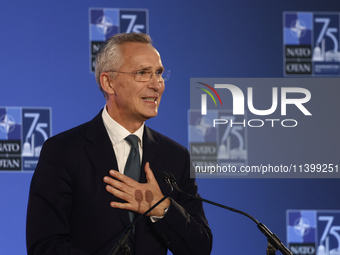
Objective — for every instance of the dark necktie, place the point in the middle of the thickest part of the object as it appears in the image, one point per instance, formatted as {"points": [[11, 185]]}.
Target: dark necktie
{"points": [[132, 166]]}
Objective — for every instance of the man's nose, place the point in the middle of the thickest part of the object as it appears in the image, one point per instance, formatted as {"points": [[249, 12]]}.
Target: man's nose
{"points": [[156, 82]]}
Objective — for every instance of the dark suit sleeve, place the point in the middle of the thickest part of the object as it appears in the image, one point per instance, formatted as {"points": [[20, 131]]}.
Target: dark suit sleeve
{"points": [[184, 227], [48, 228]]}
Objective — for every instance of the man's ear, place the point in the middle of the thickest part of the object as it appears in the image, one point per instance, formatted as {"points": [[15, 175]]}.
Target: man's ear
{"points": [[106, 83]]}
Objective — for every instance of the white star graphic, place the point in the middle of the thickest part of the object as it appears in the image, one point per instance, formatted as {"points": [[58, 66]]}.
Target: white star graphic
{"points": [[7, 123], [302, 227], [104, 25], [298, 28], [203, 126]]}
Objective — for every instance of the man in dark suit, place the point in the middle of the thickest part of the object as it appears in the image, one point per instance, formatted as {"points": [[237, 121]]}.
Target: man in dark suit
{"points": [[81, 198]]}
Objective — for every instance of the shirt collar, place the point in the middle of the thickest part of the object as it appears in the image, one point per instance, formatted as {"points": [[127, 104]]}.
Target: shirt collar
{"points": [[117, 132]]}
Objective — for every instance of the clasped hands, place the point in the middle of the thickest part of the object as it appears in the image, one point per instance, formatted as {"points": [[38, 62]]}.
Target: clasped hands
{"points": [[139, 197]]}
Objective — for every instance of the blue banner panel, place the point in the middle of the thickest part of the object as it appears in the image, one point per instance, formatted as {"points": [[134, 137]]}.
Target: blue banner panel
{"points": [[22, 134], [106, 22], [311, 43], [314, 232]]}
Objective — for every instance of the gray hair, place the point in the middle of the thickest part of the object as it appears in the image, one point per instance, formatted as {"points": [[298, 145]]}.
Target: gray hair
{"points": [[109, 56]]}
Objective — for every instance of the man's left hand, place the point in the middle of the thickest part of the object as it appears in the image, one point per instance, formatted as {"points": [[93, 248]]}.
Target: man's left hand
{"points": [[139, 197]]}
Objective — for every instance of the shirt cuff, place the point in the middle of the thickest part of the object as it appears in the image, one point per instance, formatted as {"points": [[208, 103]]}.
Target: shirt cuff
{"points": [[154, 219]]}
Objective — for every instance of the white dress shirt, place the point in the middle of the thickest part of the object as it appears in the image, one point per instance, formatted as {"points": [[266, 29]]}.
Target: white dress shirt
{"points": [[117, 133]]}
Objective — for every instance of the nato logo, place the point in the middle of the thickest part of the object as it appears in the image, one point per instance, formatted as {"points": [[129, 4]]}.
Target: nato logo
{"points": [[10, 123], [223, 145], [10, 138], [313, 232], [22, 133], [203, 138], [311, 43], [106, 22], [298, 28]]}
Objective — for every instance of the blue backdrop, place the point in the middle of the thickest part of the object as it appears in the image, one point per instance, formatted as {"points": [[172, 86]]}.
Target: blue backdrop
{"points": [[45, 61]]}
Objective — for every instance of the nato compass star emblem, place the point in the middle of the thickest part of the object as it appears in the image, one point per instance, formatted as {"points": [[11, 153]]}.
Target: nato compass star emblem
{"points": [[301, 226], [202, 126], [7, 123], [104, 25], [298, 28]]}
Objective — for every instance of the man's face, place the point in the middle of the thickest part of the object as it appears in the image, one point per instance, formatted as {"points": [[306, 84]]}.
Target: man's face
{"points": [[137, 101]]}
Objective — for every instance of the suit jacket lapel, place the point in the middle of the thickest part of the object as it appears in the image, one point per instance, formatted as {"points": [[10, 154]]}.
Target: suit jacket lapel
{"points": [[149, 151], [154, 154], [102, 156]]}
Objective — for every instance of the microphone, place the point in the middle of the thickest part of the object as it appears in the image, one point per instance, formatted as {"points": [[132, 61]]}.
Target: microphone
{"points": [[166, 177], [121, 243], [274, 242]]}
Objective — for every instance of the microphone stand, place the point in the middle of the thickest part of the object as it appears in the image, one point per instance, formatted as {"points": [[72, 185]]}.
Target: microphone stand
{"points": [[274, 242], [121, 243]]}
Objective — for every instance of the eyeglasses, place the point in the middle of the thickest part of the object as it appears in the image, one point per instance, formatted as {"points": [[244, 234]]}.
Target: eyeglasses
{"points": [[140, 76]]}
